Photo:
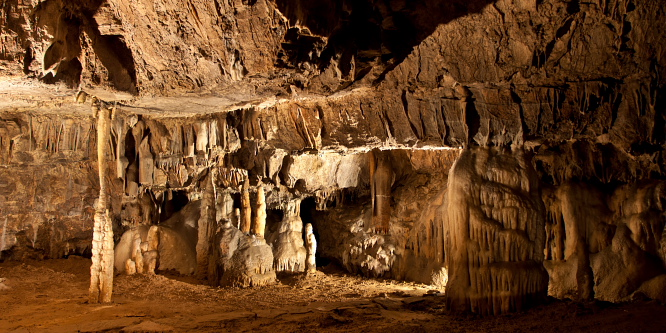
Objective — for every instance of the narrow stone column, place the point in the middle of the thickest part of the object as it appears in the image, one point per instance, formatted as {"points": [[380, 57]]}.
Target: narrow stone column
{"points": [[311, 246], [259, 224], [101, 270], [246, 210]]}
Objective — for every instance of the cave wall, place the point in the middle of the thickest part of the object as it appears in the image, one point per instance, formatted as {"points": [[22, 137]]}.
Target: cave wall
{"points": [[48, 184]]}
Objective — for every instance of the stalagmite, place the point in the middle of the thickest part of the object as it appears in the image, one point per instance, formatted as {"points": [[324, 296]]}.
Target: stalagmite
{"points": [[245, 260], [137, 253], [246, 210], [101, 270], [153, 238], [150, 261], [259, 224], [311, 245]]}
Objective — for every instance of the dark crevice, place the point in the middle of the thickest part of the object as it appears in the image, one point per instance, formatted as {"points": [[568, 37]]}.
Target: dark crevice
{"points": [[371, 31], [177, 201], [61, 61], [519, 101], [472, 120], [308, 214]]}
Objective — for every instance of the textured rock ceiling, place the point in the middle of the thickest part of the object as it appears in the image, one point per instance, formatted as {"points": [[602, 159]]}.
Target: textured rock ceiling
{"points": [[559, 107]]}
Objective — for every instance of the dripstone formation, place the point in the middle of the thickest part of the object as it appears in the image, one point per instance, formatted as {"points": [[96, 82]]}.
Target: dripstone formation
{"points": [[500, 150]]}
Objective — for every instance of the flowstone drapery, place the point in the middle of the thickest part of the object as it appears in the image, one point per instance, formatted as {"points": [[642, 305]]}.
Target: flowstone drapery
{"points": [[495, 221]]}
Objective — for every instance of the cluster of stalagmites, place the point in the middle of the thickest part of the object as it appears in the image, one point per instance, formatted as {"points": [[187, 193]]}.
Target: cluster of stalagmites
{"points": [[243, 256], [144, 254]]}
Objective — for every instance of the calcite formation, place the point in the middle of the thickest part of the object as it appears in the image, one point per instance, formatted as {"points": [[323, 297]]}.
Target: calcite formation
{"points": [[289, 251], [246, 259], [101, 271], [144, 255], [501, 149], [311, 243], [495, 233]]}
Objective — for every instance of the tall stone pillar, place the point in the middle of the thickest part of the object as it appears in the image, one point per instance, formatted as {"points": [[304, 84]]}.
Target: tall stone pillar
{"points": [[101, 270]]}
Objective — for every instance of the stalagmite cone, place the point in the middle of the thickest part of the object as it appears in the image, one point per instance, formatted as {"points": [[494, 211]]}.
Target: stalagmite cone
{"points": [[311, 246]]}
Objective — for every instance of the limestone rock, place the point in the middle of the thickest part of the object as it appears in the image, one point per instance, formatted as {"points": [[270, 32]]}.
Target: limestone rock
{"points": [[495, 227], [173, 252], [251, 265], [654, 288], [562, 278], [621, 268], [289, 251], [3, 286]]}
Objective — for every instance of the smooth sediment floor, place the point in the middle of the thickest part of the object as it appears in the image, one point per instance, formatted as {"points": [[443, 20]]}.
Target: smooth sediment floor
{"points": [[51, 296]]}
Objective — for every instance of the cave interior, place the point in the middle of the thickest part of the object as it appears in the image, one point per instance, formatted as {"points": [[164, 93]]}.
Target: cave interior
{"points": [[503, 154]]}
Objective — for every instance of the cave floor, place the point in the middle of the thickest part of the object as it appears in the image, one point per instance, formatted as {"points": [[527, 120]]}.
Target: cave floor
{"points": [[51, 296]]}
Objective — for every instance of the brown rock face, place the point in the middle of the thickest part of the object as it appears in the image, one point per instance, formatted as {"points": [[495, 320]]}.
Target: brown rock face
{"points": [[356, 111]]}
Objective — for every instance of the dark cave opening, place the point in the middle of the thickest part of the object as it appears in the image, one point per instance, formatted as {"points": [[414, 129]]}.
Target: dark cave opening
{"points": [[173, 203], [309, 214], [273, 219]]}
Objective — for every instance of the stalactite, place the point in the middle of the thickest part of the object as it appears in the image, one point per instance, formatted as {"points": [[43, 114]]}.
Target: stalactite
{"points": [[381, 180], [101, 270], [259, 223], [201, 137], [246, 208], [232, 177]]}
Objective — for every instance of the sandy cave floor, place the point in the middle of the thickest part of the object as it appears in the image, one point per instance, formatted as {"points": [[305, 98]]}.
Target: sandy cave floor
{"points": [[51, 296]]}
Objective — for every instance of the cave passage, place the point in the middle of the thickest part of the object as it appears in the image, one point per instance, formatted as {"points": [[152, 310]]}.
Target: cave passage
{"points": [[310, 214]]}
